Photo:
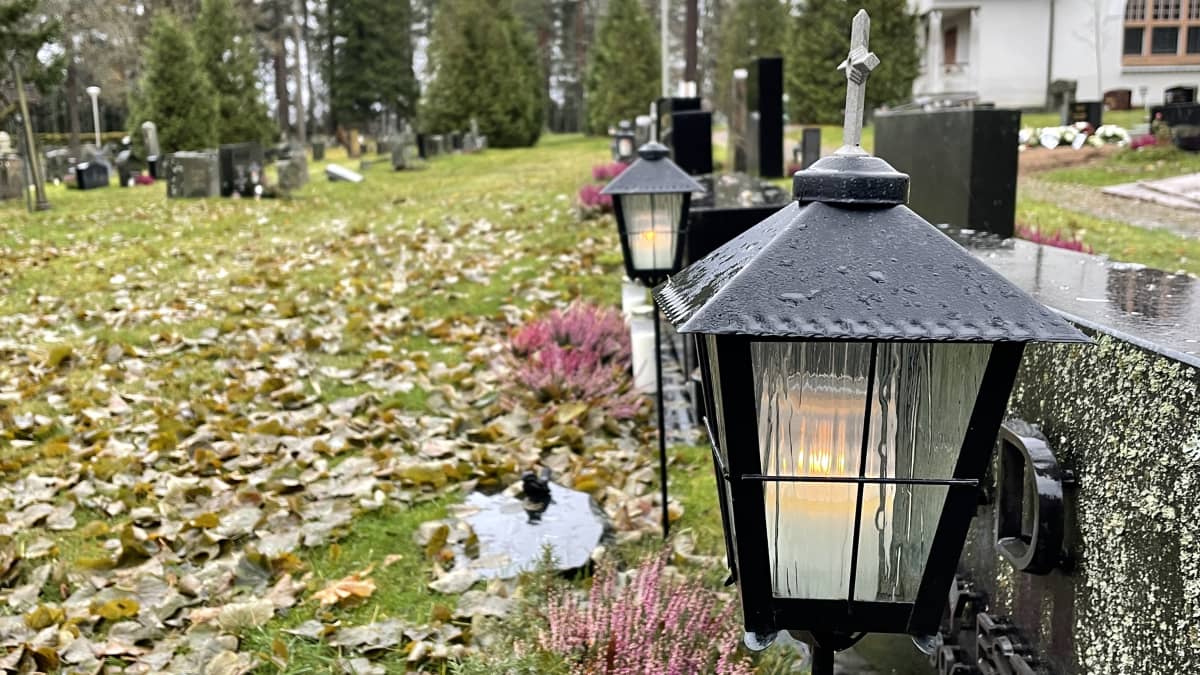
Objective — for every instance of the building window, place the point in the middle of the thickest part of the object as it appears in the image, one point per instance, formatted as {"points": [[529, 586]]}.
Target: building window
{"points": [[950, 47], [1133, 41], [1164, 40], [1165, 10], [1173, 27]]}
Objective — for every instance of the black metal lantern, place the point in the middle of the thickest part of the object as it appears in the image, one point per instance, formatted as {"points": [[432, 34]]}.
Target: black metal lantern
{"points": [[651, 200], [856, 364], [624, 142]]}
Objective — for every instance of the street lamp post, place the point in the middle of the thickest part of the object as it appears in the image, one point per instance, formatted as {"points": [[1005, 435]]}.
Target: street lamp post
{"points": [[94, 92], [856, 365], [651, 200]]}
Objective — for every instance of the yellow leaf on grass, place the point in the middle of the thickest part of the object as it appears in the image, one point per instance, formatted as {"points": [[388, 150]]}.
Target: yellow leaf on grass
{"points": [[113, 610], [352, 587]]}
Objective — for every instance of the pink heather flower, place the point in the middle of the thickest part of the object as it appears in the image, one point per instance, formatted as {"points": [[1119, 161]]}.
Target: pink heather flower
{"points": [[1056, 239], [581, 354], [591, 198], [645, 625], [607, 172]]}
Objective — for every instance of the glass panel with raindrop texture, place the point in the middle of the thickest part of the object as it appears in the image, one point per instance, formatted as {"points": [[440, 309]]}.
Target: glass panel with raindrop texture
{"points": [[922, 404], [652, 224], [811, 401]]}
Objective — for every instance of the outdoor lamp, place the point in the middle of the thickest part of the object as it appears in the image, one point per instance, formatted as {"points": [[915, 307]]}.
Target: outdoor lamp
{"points": [[625, 142], [94, 92], [856, 365], [651, 200]]}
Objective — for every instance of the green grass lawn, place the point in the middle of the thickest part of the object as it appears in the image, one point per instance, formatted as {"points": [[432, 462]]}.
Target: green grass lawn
{"points": [[1122, 118], [1127, 166], [459, 242], [1119, 241]]}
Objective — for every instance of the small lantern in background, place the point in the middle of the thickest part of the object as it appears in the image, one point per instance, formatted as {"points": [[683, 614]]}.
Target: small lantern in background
{"points": [[624, 143], [651, 200], [856, 365]]}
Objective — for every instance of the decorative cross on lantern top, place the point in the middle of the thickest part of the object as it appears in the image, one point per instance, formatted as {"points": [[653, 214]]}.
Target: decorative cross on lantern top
{"points": [[858, 66]]}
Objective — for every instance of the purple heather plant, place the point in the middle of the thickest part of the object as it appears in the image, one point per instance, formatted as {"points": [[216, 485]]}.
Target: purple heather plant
{"points": [[580, 354], [593, 201], [607, 172], [1054, 239], [647, 625]]}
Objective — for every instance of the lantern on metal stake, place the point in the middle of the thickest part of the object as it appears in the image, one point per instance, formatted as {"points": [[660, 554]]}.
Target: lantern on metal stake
{"points": [[651, 200], [856, 365]]}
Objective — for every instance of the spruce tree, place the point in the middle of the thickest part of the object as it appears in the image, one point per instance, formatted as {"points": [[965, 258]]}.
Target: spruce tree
{"points": [[485, 66], [623, 77], [175, 92], [371, 64], [816, 89], [230, 59], [749, 29]]}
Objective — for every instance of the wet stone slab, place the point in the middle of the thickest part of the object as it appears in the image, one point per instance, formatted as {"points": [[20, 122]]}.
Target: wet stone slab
{"points": [[511, 537]]}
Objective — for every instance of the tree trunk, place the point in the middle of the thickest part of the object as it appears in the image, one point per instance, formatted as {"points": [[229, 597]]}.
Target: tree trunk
{"points": [[279, 58], [331, 75], [72, 87], [691, 27], [298, 76], [308, 68]]}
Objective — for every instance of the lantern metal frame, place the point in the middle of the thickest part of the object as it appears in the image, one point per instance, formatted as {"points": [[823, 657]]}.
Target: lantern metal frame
{"points": [[846, 262], [654, 174]]}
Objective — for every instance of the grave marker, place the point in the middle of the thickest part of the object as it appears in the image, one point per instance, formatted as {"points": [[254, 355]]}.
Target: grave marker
{"points": [[241, 169], [764, 95], [192, 174], [12, 170], [91, 175], [337, 173], [153, 151]]}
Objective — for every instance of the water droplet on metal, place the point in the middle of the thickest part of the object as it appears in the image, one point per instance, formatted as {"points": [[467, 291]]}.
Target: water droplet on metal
{"points": [[842, 269], [876, 276]]}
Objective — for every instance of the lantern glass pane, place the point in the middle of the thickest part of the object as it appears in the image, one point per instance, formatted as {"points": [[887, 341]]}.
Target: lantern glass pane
{"points": [[625, 147], [651, 228], [812, 405]]}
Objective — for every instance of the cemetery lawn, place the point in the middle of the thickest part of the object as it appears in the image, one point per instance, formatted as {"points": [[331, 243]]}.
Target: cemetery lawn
{"points": [[156, 355], [1120, 241], [1128, 166]]}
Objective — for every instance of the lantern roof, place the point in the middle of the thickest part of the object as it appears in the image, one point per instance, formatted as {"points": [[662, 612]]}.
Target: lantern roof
{"points": [[839, 271], [652, 173]]}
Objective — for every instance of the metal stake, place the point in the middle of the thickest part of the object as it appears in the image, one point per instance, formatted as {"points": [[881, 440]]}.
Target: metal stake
{"points": [[662, 427], [822, 661], [35, 165]]}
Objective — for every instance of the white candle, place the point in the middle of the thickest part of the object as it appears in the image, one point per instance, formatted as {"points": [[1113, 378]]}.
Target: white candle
{"points": [[641, 339], [815, 429]]}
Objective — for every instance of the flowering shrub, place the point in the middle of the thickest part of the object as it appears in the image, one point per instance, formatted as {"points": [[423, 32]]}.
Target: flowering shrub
{"points": [[607, 172], [591, 202], [646, 625], [581, 354], [1054, 239]]}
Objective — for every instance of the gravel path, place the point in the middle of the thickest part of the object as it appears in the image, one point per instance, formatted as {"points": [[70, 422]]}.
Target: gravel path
{"points": [[1093, 202]]}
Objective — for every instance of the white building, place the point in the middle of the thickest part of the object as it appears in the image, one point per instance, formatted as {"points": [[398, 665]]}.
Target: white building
{"points": [[1008, 51]]}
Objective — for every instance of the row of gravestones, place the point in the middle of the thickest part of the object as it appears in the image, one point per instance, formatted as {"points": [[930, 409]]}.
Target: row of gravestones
{"points": [[235, 169], [407, 148]]}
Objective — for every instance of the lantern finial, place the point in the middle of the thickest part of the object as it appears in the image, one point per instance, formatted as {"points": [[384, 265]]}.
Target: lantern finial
{"points": [[858, 66]]}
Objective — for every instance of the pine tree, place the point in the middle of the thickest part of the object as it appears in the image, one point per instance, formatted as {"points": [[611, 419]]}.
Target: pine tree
{"points": [[229, 57], [623, 77], [816, 89], [749, 29], [371, 66], [485, 66], [175, 91]]}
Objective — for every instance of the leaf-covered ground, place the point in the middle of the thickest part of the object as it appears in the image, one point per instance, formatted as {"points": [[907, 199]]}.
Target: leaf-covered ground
{"points": [[222, 421]]}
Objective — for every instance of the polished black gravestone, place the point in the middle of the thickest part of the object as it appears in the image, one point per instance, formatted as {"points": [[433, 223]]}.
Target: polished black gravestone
{"points": [[241, 169], [962, 164], [666, 108], [1179, 94], [91, 175], [765, 96], [691, 141], [810, 147], [1090, 112], [729, 205]]}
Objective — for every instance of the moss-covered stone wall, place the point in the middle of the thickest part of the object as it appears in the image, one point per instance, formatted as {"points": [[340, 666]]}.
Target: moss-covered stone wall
{"points": [[1126, 421]]}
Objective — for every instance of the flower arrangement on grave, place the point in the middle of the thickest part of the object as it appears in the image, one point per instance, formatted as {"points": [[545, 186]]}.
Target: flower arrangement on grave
{"points": [[1072, 135]]}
